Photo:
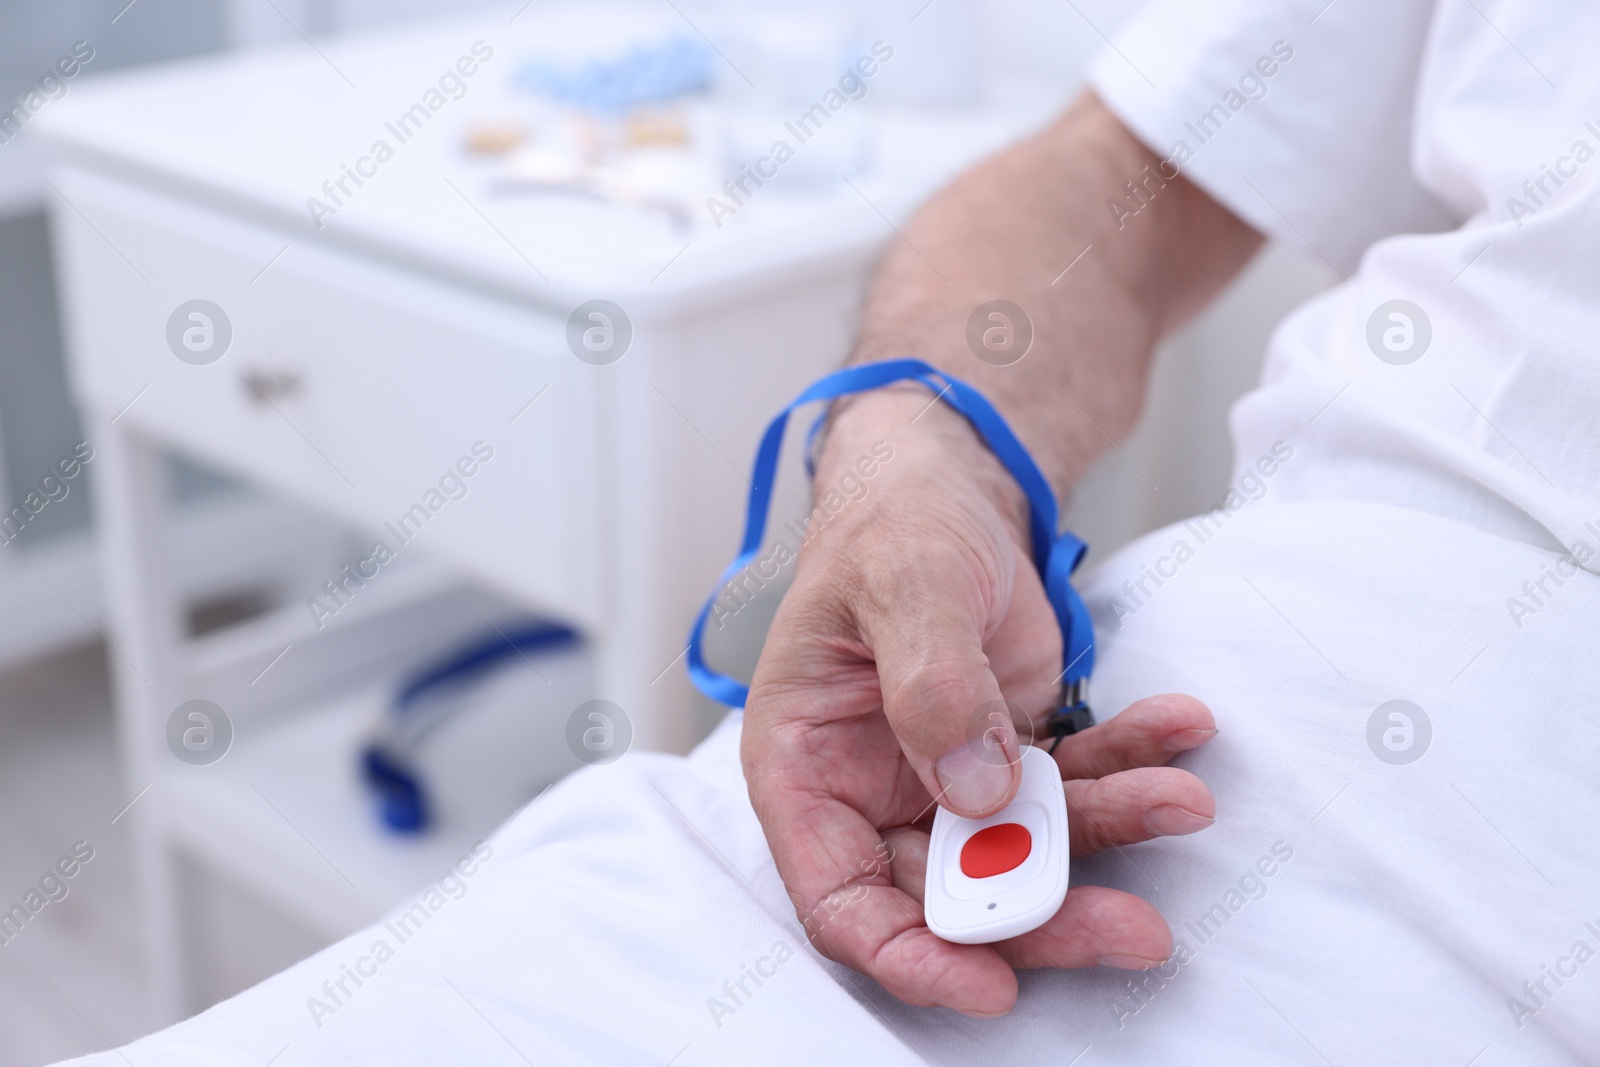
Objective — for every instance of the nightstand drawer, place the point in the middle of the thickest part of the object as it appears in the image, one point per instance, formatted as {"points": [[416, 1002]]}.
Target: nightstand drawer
{"points": [[444, 421]]}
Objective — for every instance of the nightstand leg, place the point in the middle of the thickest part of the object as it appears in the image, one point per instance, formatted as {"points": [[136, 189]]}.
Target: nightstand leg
{"points": [[144, 613]]}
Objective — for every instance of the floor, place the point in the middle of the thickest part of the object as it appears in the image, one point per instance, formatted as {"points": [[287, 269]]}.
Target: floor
{"points": [[70, 978]]}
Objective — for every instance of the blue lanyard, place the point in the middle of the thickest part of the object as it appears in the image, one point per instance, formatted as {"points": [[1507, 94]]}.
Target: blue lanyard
{"points": [[1056, 556]]}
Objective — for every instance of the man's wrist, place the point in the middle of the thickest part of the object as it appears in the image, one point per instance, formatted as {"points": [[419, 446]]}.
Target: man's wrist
{"points": [[921, 429]]}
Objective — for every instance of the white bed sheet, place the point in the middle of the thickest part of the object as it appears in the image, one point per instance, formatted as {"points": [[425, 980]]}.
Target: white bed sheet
{"points": [[1406, 903]]}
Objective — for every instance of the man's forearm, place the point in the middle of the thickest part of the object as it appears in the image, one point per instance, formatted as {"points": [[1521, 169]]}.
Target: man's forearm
{"points": [[1009, 230]]}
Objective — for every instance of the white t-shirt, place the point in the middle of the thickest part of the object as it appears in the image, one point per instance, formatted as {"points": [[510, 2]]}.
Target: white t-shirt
{"points": [[1406, 883]]}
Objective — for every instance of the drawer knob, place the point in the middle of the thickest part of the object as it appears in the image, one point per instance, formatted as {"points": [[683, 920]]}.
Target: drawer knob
{"points": [[266, 386]]}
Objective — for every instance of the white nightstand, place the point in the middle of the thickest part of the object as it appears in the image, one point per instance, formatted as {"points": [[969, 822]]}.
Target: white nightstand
{"points": [[425, 317]]}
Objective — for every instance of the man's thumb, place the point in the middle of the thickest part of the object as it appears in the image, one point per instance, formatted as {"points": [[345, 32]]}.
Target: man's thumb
{"points": [[944, 705]]}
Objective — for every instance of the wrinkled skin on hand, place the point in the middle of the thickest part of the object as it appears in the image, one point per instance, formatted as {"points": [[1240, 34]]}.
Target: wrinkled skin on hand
{"points": [[914, 613]]}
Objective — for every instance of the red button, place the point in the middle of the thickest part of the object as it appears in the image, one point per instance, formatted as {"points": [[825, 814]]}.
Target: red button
{"points": [[995, 850]]}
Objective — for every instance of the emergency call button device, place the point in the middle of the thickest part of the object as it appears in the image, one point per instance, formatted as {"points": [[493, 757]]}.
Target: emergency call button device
{"points": [[1001, 876]]}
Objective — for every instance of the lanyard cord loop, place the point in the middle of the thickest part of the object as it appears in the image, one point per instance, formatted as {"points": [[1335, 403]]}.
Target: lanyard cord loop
{"points": [[1055, 555]]}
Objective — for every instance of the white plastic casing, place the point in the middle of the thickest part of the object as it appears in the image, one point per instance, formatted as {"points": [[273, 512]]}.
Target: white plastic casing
{"points": [[976, 911]]}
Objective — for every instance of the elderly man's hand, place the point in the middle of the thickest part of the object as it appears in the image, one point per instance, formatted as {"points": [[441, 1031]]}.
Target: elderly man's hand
{"points": [[914, 612]]}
